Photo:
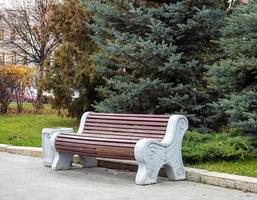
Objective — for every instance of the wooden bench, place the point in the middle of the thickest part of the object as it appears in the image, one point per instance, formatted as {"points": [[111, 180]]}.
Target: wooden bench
{"points": [[154, 141]]}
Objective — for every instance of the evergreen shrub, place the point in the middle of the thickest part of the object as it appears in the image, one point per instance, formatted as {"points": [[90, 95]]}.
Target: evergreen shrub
{"points": [[202, 147]]}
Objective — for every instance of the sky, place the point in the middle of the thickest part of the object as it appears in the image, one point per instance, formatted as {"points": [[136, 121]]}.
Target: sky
{"points": [[5, 2], [8, 3]]}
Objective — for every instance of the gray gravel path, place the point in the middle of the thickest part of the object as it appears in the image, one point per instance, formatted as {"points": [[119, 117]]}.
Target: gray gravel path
{"points": [[25, 178]]}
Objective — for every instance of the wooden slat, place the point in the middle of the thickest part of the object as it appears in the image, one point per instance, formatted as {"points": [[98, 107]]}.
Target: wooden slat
{"points": [[122, 133], [129, 136], [99, 150], [81, 141], [88, 124], [85, 137], [133, 131], [95, 152], [125, 137], [96, 149], [124, 122], [129, 115], [127, 118], [101, 155]]}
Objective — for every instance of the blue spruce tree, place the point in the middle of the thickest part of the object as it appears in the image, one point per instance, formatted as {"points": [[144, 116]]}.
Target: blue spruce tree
{"points": [[152, 57], [235, 74]]}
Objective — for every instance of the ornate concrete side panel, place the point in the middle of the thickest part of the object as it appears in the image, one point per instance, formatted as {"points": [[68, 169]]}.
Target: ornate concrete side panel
{"points": [[151, 155]]}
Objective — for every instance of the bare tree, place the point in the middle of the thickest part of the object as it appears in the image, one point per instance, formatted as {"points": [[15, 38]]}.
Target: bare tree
{"points": [[29, 35]]}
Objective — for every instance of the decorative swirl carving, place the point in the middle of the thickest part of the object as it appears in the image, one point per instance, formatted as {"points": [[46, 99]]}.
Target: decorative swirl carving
{"points": [[151, 151], [154, 157]]}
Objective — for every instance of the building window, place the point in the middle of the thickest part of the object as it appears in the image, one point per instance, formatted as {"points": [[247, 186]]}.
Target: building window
{"points": [[1, 34], [13, 35], [25, 60], [13, 58], [1, 58]]}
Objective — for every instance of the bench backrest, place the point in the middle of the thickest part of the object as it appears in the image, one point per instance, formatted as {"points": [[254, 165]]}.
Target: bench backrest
{"points": [[124, 126]]}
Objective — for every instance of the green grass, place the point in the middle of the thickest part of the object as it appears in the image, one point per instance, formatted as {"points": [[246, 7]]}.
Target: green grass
{"points": [[25, 129], [244, 167]]}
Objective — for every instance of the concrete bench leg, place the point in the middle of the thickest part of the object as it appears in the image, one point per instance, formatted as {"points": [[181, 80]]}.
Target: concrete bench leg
{"points": [[62, 161], [88, 161], [175, 173], [146, 176], [150, 158]]}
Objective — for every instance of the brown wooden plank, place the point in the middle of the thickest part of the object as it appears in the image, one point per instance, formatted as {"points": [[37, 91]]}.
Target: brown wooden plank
{"points": [[102, 132], [124, 122], [77, 152], [129, 115], [89, 124], [96, 152], [85, 137], [133, 131], [96, 149], [68, 145], [100, 156], [121, 134], [125, 137], [79, 141], [119, 118]]}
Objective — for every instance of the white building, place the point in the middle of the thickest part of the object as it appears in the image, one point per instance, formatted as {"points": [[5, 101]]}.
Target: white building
{"points": [[10, 4], [8, 54]]}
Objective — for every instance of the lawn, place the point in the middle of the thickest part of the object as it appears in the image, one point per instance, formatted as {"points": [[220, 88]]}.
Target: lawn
{"points": [[244, 167], [25, 129]]}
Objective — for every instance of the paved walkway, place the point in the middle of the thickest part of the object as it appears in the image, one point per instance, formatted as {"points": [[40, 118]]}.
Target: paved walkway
{"points": [[25, 178]]}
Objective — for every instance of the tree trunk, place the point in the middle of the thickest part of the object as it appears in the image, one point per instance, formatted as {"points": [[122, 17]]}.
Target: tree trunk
{"points": [[3, 108], [39, 103], [19, 100]]}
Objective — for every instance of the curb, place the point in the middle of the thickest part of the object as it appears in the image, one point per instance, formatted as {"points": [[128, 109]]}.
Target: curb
{"points": [[26, 151], [246, 184]]}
